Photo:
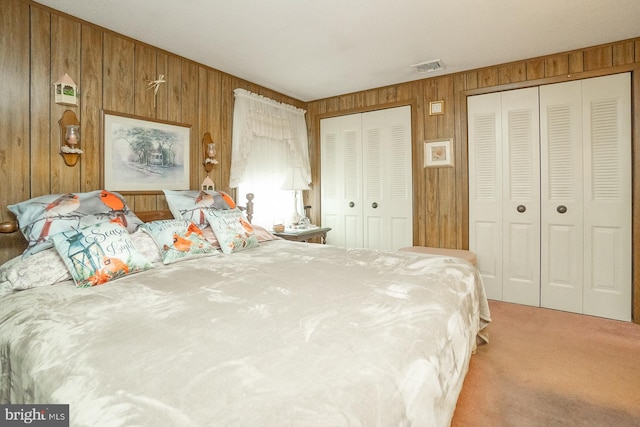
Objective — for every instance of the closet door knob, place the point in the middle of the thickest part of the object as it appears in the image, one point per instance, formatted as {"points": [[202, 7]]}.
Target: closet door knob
{"points": [[521, 208], [561, 209], [351, 204], [374, 205]]}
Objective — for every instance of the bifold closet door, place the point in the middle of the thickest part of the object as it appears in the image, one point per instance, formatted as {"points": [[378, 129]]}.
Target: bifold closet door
{"points": [[387, 179], [586, 196], [504, 193], [606, 104], [578, 258], [366, 179], [341, 175], [562, 244], [485, 188]]}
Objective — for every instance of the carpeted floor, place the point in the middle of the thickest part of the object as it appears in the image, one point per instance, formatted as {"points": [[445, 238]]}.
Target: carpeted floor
{"points": [[551, 368]]}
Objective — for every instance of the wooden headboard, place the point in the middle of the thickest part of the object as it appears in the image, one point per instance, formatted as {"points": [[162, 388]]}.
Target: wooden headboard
{"points": [[7, 227]]}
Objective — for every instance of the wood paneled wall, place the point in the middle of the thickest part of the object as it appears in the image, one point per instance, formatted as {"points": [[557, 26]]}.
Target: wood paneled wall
{"points": [[38, 45]]}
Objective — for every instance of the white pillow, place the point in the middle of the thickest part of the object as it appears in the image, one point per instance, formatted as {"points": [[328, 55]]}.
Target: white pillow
{"points": [[40, 269]]}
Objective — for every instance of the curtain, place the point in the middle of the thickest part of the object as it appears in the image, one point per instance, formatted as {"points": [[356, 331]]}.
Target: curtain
{"points": [[258, 120], [268, 138]]}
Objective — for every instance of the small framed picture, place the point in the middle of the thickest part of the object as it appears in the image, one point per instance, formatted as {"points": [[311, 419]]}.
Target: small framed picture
{"points": [[438, 153], [436, 107]]}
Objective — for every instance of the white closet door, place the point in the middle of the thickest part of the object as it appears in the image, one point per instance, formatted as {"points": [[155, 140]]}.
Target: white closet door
{"points": [[586, 196], [366, 178], [504, 193], [341, 173], [606, 109], [566, 242], [521, 196], [387, 194], [485, 188], [562, 196]]}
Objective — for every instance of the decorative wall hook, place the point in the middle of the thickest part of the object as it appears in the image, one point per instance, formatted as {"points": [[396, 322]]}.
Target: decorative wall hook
{"points": [[209, 149], [70, 138], [155, 85]]}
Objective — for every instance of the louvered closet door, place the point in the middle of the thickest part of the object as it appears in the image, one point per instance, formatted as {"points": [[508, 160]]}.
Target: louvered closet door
{"points": [[504, 194], [341, 173], [586, 198], [485, 188], [521, 196], [579, 259], [606, 112], [366, 179], [562, 255], [387, 195]]}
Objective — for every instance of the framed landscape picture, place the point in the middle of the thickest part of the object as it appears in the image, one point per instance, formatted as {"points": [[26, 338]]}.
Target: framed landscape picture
{"points": [[144, 155]]}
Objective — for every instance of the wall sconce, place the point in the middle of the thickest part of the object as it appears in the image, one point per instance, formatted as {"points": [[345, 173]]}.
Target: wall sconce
{"points": [[66, 91], [70, 138], [209, 149]]}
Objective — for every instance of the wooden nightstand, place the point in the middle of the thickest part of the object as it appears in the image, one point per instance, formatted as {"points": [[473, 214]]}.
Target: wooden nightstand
{"points": [[304, 235]]}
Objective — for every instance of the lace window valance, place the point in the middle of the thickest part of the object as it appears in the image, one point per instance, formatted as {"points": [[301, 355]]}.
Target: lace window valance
{"points": [[256, 118]]}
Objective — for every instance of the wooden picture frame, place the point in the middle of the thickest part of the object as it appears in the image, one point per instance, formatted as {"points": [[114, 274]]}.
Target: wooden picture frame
{"points": [[438, 153], [436, 108], [142, 155]]}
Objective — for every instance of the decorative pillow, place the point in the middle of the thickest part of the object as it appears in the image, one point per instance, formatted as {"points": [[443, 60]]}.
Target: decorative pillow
{"points": [[232, 230], [99, 253], [42, 269], [178, 240], [193, 205], [41, 217], [262, 234]]}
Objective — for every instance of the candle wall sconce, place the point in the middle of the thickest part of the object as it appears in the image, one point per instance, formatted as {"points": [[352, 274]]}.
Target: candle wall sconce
{"points": [[70, 138], [209, 149]]}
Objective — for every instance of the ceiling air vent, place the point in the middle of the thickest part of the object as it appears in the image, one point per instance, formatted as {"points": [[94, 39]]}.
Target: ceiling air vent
{"points": [[429, 66]]}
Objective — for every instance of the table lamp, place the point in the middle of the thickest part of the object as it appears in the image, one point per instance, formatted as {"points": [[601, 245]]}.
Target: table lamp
{"points": [[294, 182]]}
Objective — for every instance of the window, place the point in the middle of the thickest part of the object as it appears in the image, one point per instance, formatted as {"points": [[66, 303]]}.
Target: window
{"points": [[268, 138]]}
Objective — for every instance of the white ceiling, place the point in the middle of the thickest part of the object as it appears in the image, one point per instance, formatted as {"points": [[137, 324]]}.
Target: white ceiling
{"points": [[312, 50]]}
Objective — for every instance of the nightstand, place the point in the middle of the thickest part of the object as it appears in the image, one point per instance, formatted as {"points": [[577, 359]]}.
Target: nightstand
{"points": [[305, 234]]}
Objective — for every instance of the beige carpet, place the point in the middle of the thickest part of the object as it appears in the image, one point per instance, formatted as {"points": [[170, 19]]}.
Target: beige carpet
{"points": [[550, 368]]}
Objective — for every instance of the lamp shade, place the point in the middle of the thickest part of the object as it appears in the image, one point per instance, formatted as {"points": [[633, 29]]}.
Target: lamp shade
{"points": [[294, 180]]}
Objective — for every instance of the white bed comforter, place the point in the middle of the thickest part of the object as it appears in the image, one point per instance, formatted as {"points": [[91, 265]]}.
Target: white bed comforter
{"points": [[286, 334]]}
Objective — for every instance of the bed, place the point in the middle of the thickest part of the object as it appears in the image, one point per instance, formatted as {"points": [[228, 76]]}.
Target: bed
{"points": [[273, 333]]}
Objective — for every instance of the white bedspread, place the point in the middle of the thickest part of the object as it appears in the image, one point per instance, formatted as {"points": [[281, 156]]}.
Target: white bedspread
{"points": [[286, 334]]}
